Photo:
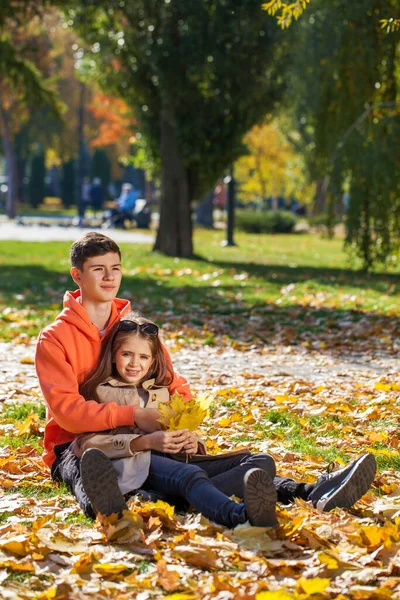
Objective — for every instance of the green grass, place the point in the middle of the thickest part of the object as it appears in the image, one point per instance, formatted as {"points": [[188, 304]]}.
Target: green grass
{"points": [[144, 566], [19, 412], [286, 428], [18, 576], [40, 492], [19, 441], [75, 519], [233, 284], [4, 516]]}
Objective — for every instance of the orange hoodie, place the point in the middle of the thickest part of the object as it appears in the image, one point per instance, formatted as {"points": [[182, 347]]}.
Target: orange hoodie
{"points": [[67, 350]]}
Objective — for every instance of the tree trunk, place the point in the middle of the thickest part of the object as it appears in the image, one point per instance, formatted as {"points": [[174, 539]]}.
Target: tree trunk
{"points": [[174, 235], [148, 190], [11, 160], [320, 203]]}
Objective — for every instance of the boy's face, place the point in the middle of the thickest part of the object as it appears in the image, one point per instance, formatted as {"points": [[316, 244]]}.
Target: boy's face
{"points": [[100, 277]]}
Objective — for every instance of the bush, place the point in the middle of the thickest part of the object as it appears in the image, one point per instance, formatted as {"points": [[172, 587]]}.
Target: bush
{"points": [[323, 221], [278, 221]]}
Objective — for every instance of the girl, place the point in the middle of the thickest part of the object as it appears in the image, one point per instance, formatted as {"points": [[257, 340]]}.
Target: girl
{"points": [[133, 370]]}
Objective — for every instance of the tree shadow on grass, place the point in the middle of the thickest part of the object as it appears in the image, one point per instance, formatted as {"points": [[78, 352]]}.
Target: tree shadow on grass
{"points": [[327, 276], [209, 314]]}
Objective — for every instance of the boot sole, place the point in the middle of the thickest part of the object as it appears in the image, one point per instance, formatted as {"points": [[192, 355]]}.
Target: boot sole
{"points": [[100, 482], [260, 498], [353, 488]]}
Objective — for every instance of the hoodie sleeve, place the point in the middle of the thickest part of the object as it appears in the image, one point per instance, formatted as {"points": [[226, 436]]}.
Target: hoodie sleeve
{"points": [[60, 389], [179, 383]]}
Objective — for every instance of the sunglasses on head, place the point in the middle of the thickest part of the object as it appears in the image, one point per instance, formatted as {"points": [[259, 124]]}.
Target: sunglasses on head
{"points": [[147, 328]]}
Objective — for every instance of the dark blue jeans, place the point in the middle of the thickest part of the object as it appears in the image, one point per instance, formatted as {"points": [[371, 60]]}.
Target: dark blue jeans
{"points": [[191, 482], [225, 473]]}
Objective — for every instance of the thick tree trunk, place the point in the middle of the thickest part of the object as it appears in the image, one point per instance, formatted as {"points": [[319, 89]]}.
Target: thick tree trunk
{"points": [[11, 160], [174, 235]]}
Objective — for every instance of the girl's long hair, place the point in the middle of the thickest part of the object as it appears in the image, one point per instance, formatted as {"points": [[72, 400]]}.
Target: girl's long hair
{"points": [[161, 370]]}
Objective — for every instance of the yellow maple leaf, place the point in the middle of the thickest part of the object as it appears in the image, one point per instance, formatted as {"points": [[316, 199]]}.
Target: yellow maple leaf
{"points": [[30, 425], [275, 595], [316, 585], [110, 569], [180, 596], [384, 387], [178, 414], [171, 409]]}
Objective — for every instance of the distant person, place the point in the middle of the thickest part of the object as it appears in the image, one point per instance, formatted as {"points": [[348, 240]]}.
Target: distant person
{"points": [[86, 185], [127, 200], [96, 194], [220, 196], [85, 200]]}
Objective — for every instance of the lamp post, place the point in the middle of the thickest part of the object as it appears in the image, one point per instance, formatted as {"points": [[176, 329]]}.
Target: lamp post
{"points": [[230, 209], [81, 154]]}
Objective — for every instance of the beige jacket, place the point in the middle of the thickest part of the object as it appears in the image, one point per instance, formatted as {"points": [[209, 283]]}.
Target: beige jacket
{"points": [[132, 467], [115, 443]]}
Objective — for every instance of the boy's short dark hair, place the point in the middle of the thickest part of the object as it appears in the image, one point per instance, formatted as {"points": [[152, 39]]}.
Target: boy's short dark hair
{"points": [[92, 244]]}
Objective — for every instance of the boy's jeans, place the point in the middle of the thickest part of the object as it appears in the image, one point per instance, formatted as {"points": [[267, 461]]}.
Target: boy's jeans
{"points": [[224, 475], [227, 474]]}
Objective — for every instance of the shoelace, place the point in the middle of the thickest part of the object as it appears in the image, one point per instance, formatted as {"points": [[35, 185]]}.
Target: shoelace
{"points": [[331, 467]]}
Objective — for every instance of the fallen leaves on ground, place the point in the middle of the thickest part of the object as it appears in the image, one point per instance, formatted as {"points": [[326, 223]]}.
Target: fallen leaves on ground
{"points": [[301, 406]]}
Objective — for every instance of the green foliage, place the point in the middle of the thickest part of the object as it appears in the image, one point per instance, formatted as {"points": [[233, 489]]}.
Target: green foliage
{"points": [[345, 90], [24, 78], [323, 221], [279, 221], [216, 66], [373, 218], [68, 183], [37, 173]]}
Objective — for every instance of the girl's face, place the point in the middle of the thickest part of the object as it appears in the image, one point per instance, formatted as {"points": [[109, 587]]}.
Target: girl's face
{"points": [[133, 359]]}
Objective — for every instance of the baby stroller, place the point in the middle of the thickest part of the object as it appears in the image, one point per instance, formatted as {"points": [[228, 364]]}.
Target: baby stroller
{"points": [[139, 217]]}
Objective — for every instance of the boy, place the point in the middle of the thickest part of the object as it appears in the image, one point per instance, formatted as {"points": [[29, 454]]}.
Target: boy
{"points": [[67, 351]]}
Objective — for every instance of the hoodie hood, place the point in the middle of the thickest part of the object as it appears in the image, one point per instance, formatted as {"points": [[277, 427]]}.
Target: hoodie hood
{"points": [[74, 314]]}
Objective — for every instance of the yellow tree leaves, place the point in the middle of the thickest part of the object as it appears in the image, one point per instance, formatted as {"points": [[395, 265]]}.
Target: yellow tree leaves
{"points": [[184, 414], [271, 167], [285, 12]]}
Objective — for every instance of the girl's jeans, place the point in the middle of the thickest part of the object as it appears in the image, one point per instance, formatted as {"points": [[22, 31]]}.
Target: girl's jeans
{"points": [[205, 484]]}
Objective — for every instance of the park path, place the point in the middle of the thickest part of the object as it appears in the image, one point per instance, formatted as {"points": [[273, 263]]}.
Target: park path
{"points": [[9, 230]]}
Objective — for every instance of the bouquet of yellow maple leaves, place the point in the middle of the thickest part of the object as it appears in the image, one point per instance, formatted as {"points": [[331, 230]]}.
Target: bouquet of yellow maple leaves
{"points": [[184, 414]]}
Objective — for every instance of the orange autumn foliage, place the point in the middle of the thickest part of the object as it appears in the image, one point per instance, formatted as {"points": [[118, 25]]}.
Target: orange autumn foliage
{"points": [[115, 120]]}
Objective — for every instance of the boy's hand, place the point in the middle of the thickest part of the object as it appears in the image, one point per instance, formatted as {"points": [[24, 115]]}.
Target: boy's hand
{"points": [[170, 442], [192, 444], [147, 419]]}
